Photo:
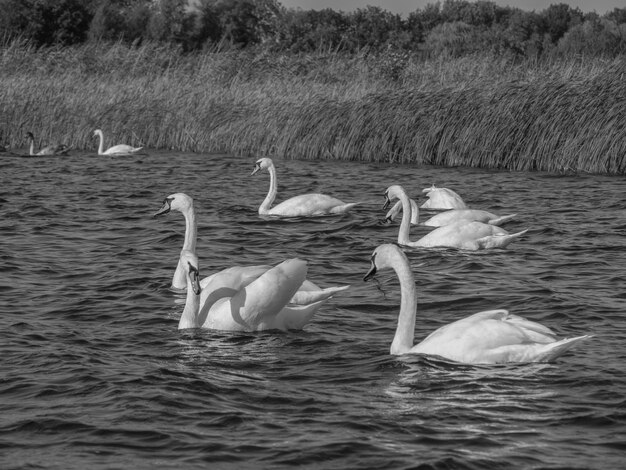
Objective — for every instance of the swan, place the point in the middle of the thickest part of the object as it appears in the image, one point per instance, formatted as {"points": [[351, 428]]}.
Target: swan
{"points": [[461, 234], [272, 301], [442, 198], [121, 149], [304, 205], [449, 216], [60, 149], [489, 337], [308, 297]]}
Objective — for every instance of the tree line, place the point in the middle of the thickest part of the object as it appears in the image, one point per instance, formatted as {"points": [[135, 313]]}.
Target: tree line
{"points": [[449, 28]]}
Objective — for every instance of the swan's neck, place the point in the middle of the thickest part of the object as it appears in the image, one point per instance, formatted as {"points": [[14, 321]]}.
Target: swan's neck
{"points": [[191, 229], [189, 318], [264, 208], [405, 225], [405, 332], [101, 144], [32, 146], [415, 213]]}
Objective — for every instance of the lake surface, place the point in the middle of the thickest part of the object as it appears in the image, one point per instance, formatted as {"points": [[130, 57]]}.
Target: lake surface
{"points": [[95, 374]]}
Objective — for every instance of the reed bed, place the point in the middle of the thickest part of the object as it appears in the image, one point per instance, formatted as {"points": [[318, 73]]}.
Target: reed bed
{"points": [[566, 116]]}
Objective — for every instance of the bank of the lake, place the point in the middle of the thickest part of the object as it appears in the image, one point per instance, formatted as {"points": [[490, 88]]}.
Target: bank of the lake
{"points": [[562, 116]]}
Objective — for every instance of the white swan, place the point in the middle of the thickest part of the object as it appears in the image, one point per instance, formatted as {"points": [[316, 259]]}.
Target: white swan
{"points": [[272, 301], [442, 198], [305, 205], [60, 149], [449, 216], [303, 303], [489, 337], [121, 149], [461, 234]]}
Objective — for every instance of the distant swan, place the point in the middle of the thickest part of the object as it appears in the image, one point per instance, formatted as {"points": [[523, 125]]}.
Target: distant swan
{"points": [[442, 198], [121, 149], [461, 234], [273, 301], [60, 149], [449, 216], [309, 297], [305, 205], [489, 337]]}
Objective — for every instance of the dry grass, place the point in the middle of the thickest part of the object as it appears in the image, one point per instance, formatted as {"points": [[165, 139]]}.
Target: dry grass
{"points": [[474, 111]]}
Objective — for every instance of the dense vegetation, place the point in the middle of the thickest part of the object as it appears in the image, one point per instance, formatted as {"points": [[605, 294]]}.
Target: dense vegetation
{"points": [[457, 83], [454, 27]]}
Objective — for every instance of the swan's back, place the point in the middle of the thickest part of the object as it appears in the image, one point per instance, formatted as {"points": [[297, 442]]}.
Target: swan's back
{"points": [[442, 198], [455, 215]]}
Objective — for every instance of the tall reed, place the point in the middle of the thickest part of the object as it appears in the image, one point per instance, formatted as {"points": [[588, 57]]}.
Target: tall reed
{"points": [[475, 111]]}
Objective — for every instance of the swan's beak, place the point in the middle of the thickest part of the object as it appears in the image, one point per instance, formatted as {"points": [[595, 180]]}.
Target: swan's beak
{"points": [[257, 167], [195, 280], [387, 202], [371, 273], [167, 206], [387, 220]]}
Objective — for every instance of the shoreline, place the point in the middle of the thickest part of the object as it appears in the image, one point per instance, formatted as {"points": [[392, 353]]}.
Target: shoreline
{"points": [[480, 112]]}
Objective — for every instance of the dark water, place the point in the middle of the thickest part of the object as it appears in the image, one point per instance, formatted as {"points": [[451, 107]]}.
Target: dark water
{"points": [[94, 373]]}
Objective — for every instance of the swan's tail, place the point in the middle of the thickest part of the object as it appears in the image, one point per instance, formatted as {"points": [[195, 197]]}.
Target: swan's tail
{"points": [[500, 220], [343, 208], [498, 241], [308, 297], [553, 350]]}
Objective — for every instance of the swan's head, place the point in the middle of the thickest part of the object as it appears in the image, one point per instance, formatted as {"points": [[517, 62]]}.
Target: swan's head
{"points": [[262, 164], [97, 132], [383, 258], [392, 193], [189, 261], [393, 212], [30, 136], [427, 190], [175, 202]]}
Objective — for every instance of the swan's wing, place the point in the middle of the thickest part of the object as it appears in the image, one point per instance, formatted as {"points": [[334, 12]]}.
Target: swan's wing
{"points": [[49, 150], [306, 205], [458, 215], [234, 277], [459, 234], [294, 317], [495, 220], [303, 297], [443, 198], [498, 240]]}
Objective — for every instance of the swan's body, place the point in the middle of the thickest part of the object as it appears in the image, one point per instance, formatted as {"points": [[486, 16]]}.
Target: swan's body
{"points": [[449, 216], [60, 149], [236, 293], [460, 234], [270, 302], [442, 198], [121, 149], [489, 337], [304, 205]]}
